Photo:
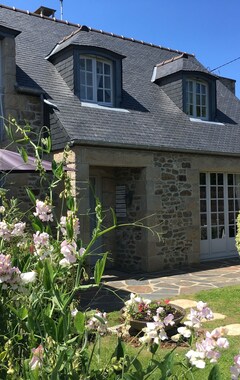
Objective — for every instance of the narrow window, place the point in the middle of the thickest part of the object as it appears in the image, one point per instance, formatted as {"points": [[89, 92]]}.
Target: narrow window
{"points": [[197, 99], [96, 80]]}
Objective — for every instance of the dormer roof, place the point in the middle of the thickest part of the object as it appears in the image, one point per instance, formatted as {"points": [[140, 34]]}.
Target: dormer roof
{"points": [[182, 62]]}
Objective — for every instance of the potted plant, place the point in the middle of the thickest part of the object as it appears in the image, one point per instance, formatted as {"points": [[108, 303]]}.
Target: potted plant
{"points": [[138, 312]]}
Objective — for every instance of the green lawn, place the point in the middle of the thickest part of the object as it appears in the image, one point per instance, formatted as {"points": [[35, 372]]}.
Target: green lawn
{"points": [[223, 300]]}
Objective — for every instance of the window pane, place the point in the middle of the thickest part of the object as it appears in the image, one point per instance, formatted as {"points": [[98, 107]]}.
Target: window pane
{"points": [[230, 192], [203, 233], [220, 178], [107, 96], [198, 111], [83, 92], [100, 81], [220, 192], [213, 192], [100, 95], [99, 67], [203, 89], [203, 220], [202, 178], [107, 82], [89, 65], [89, 79], [82, 77], [213, 205], [214, 219], [82, 64], [106, 69], [203, 192], [231, 231], [89, 93], [213, 178], [230, 179], [220, 205], [203, 206]]}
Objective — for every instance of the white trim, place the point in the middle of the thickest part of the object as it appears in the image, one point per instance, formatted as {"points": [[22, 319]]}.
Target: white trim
{"points": [[154, 74], [194, 119], [94, 105]]}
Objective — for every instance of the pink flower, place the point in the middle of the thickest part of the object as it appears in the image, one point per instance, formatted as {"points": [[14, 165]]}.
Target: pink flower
{"points": [[41, 239], [169, 320], [43, 211], [222, 343], [42, 244], [5, 232], [18, 229], [37, 358], [237, 360], [9, 275], [73, 221], [69, 252]]}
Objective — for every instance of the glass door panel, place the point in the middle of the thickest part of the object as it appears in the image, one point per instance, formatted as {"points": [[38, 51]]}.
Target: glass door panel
{"points": [[219, 207]]}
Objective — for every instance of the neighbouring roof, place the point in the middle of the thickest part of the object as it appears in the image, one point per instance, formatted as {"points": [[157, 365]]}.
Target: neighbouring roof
{"points": [[153, 120]]}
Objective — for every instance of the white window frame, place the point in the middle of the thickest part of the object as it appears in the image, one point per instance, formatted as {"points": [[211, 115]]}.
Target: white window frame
{"points": [[194, 103], [94, 86]]}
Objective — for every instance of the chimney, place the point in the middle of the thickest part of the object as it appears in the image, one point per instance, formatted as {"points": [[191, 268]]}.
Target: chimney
{"points": [[44, 11]]}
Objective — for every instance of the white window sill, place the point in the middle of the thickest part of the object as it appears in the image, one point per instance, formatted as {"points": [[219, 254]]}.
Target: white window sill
{"points": [[194, 119], [94, 105]]}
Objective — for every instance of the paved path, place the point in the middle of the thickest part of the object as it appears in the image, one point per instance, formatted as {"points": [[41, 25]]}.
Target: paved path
{"points": [[173, 283], [117, 286]]}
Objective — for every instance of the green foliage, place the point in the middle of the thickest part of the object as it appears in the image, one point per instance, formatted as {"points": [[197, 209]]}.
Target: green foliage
{"points": [[43, 333]]}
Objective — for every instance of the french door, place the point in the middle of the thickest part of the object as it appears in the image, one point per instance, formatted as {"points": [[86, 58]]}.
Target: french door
{"points": [[219, 207]]}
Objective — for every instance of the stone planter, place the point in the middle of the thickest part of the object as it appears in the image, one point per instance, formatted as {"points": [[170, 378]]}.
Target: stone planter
{"points": [[177, 311]]}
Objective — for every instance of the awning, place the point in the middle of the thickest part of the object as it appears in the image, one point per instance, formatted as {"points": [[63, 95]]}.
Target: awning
{"points": [[13, 162]]}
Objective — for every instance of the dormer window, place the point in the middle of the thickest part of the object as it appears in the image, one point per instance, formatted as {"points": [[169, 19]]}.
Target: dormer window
{"points": [[96, 80], [197, 99]]}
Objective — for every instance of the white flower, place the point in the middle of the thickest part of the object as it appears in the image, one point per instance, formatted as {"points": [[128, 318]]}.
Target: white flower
{"points": [[28, 277], [222, 343], [176, 337], [184, 331], [74, 312], [196, 358]]}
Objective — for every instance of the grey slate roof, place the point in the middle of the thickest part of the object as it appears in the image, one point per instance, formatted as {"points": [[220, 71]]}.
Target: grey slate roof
{"points": [[153, 121], [182, 62]]}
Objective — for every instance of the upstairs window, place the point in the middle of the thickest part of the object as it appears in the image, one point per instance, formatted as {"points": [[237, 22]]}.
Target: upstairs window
{"points": [[96, 80], [197, 99]]}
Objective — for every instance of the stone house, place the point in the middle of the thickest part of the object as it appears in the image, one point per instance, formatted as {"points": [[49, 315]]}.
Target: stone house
{"points": [[150, 129]]}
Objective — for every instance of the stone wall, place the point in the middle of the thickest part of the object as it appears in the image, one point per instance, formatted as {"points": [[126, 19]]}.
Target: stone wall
{"points": [[24, 107], [174, 186]]}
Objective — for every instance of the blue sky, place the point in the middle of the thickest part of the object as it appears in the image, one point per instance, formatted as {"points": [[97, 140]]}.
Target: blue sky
{"points": [[208, 28]]}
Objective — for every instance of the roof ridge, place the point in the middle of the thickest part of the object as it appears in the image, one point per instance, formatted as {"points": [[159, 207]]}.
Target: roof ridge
{"points": [[79, 26], [175, 58]]}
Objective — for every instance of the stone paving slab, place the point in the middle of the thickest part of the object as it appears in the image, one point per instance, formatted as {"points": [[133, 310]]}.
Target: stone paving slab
{"points": [[233, 329], [184, 303]]}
